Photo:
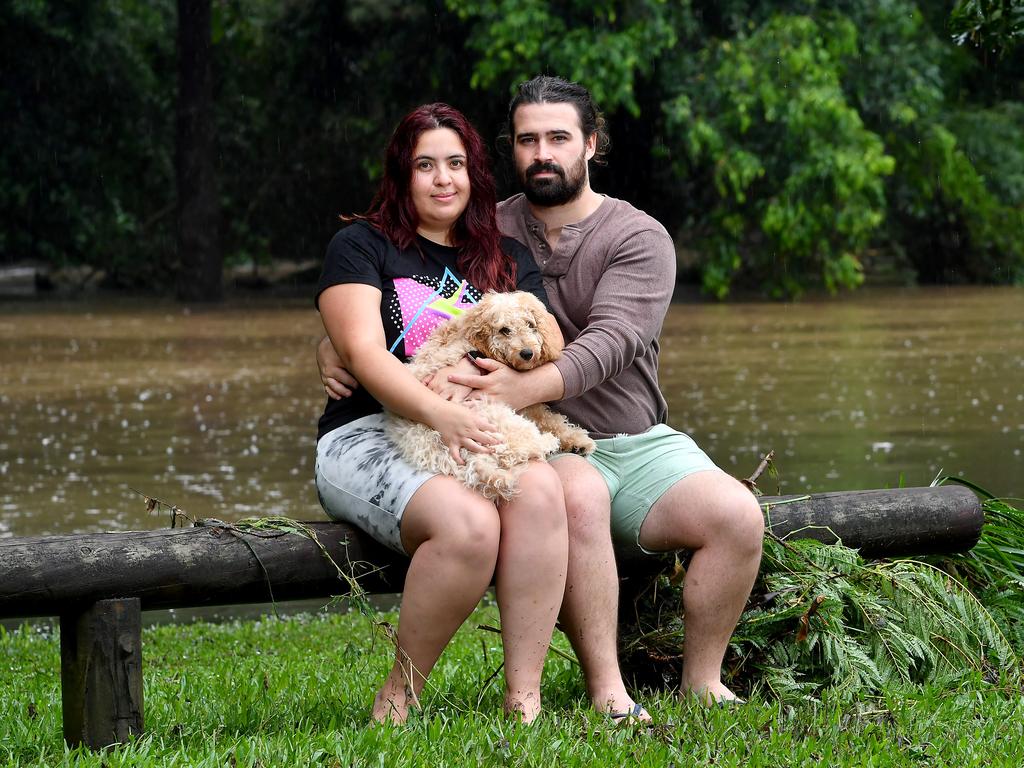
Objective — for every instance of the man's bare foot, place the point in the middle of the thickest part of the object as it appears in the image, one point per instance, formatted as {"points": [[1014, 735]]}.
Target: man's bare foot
{"points": [[712, 694]]}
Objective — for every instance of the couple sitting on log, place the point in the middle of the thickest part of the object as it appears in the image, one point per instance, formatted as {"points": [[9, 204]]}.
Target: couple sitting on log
{"points": [[431, 244]]}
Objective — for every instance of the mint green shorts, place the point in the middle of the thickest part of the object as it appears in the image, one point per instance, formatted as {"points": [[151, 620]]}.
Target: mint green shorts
{"points": [[638, 469]]}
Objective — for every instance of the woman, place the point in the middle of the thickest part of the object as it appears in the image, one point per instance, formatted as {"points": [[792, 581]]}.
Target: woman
{"points": [[428, 246]]}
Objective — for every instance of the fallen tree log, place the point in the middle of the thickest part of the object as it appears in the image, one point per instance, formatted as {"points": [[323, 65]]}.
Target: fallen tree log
{"points": [[220, 565], [99, 583], [190, 567], [881, 523]]}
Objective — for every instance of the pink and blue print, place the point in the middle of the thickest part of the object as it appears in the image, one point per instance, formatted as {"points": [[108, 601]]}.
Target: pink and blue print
{"points": [[426, 302]]}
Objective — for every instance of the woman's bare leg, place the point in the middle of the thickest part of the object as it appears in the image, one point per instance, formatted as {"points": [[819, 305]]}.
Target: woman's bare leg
{"points": [[530, 582], [453, 536]]}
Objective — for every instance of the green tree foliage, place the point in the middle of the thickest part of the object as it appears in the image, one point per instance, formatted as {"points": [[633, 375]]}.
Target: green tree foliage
{"points": [[822, 618], [308, 93], [605, 44], [796, 179], [787, 145], [87, 148], [789, 139], [304, 94], [993, 24]]}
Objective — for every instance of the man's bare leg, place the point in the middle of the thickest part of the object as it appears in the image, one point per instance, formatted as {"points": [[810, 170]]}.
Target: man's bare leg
{"points": [[715, 517]]}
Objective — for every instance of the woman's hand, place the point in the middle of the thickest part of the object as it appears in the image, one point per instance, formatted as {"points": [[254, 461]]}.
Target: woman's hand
{"points": [[338, 382], [440, 384], [463, 427]]}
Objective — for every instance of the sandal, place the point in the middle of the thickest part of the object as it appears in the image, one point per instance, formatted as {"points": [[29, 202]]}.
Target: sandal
{"points": [[633, 715]]}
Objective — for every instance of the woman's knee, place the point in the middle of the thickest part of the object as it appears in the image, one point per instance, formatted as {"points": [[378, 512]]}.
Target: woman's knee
{"points": [[540, 497], [540, 482], [453, 517], [471, 529]]}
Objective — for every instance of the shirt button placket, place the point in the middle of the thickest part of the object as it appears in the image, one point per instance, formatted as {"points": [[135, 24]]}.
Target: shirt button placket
{"points": [[542, 244]]}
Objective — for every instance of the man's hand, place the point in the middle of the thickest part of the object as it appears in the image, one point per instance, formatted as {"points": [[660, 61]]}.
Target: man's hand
{"points": [[338, 382], [441, 384], [495, 380]]}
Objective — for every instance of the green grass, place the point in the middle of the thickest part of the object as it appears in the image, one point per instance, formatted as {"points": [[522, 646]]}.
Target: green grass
{"points": [[296, 692], [850, 662]]}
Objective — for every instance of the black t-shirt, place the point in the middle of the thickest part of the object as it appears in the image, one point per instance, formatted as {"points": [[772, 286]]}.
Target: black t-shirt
{"points": [[420, 288]]}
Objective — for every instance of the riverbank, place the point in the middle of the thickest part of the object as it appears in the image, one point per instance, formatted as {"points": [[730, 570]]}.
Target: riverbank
{"points": [[296, 692]]}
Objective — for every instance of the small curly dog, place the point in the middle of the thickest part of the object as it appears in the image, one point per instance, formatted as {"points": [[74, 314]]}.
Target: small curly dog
{"points": [[510, 328]]}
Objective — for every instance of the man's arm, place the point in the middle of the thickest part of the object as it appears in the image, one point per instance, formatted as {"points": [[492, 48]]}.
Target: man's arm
{"points": [[338, 382], [634, 289], [517, 389]]}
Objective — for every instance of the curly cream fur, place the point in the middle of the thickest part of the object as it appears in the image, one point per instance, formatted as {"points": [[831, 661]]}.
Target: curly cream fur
{"points": [[515, 329]]}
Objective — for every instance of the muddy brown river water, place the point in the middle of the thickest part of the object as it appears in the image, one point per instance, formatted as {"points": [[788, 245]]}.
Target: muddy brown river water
{"points": [[214, 410]]}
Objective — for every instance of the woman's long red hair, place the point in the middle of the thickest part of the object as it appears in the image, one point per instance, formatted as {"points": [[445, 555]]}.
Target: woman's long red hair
{"points": [[475, 233]]}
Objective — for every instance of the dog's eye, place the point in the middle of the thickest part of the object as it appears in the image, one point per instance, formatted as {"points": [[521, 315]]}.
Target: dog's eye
{"points": [[533, 326], [505, 331]]}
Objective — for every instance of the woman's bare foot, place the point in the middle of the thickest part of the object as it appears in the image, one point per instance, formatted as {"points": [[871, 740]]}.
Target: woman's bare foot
{"points": [[523, 708], [713, 694], [392, 704]]}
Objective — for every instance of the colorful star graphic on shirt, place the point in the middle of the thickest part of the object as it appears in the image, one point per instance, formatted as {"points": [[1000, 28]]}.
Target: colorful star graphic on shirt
{"points": [[425, 303]]}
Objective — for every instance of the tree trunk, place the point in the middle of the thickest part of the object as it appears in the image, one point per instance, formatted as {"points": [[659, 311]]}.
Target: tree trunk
{"points": [[200, 263], [882, 523]]}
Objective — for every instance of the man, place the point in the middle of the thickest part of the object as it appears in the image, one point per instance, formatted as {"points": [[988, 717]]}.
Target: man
{"points": [[609, 271]]}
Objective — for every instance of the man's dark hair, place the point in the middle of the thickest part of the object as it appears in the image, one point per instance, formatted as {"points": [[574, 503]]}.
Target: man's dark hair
{"points": [[546, 89]]}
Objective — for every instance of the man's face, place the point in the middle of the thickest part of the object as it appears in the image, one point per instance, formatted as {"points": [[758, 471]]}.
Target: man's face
{"points": [[550, 153]]}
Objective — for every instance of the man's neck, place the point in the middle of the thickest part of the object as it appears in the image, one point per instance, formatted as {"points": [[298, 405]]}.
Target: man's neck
{"points": [[555, 217]]}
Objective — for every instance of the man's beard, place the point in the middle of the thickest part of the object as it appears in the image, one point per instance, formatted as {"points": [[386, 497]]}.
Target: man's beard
{"points": [[562, 189]]}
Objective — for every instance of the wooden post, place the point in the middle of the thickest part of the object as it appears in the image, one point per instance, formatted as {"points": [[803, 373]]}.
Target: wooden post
{"points": [[101, 673]]}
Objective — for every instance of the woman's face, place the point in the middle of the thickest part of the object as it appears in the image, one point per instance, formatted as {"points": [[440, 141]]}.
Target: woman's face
{"points": [[440, 183]]}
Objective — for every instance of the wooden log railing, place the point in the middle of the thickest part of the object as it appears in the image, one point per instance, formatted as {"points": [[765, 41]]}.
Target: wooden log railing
{"points": [[98, 584]]}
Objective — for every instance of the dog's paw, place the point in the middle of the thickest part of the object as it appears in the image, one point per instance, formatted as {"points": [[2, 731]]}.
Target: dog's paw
{"points": [[578, 442]]}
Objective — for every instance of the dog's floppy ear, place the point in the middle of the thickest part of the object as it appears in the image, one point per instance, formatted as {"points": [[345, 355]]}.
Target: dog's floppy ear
{"points": [[479, 325], [550, 334]]}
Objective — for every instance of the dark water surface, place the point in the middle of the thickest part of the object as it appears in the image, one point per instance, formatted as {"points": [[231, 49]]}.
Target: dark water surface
{"points": [[214, 410]]}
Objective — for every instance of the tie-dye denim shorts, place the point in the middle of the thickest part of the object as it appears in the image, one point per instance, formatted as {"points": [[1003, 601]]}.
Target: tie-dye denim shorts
{"points": [[361, 479]]}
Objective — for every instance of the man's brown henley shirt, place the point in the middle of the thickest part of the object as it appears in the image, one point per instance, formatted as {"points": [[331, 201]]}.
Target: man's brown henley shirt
{"points": [[609, 280]]}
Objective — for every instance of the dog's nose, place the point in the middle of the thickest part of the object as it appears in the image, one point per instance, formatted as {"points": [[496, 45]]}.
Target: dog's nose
{"points": [[526, 354]]}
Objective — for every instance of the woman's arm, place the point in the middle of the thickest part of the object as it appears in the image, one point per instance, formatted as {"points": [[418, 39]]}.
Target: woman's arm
{"points": [[351, 316]]}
